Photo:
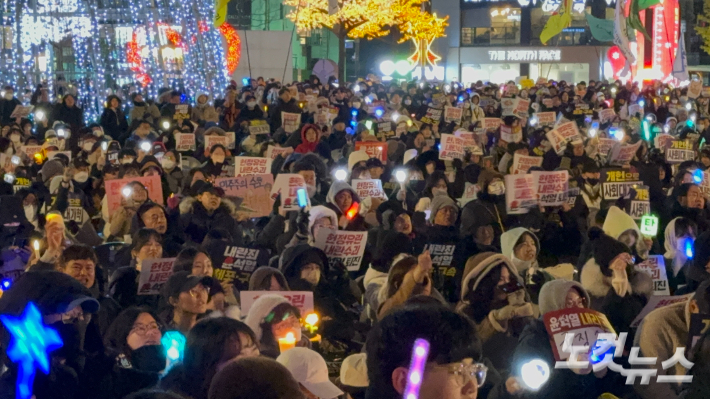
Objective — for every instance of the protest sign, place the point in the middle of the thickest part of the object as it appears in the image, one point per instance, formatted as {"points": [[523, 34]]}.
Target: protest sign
{"points": [[272, 152], [442, 257], [699, 324], [520, 193], [433, 116], [154, 274], [22, 182], [451, 147], [470, 193], [572, 195], [639, 203], [605, 145], [545, 118], [582, 109], [556, 140], [30, 150], [695, 88], [680, 151], [384, 129], [374, 149], [655, 266], [617, 183], [491, 123], [287, 185], [181, 112], [235, 264], [259, 126], [508, 106], [114, 187], [290, 122], [214, 139], [521, 107], [635, 109], [584, 323], [21, 111], [607, 115], [453, 114], [511, 134], [245, 166], [657, 302], [662, 141], [705, 184], [369, 188], [347, 247], [623, 154], [521, 163], [185, 142], [551, 187], [568, 131], [302, 300], [251, 193]]}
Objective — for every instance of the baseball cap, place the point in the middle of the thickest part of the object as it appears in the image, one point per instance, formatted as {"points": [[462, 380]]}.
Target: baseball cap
{"points": [[200, 187], [182, 282], [353, 372], [310, 370]]}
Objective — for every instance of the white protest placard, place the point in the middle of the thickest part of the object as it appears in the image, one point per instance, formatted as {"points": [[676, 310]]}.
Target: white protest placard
{"points": [[635, 109], [605, 145], [470, 193], [21, 111], [184, 142], [451, 147], [303, 300], [272, 151], [568, 131], [556, 140], [154, 274], [680, 151], [469, 142], [231, 140], [511, 134], [453, 114], [369, 188], [290, 122], [508, 106], [695, 88], [245, 166], [491, 123], [657, 302], [521, 163], [347, 247], [287, 185], [259, 126], [607, 115], [519, 193], [181, 112], [623, 154], [214, 139], [551, 187], [584, 323], [655, 267], [31, 150], [521, 107], [545, 118]]}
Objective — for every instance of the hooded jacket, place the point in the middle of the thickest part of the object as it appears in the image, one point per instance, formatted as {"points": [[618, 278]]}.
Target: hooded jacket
{"points": [[260, 280], [306, 146], [507, 245], [617, 222], [196, 222], [358, 222], [316, 212], [676, 261]]}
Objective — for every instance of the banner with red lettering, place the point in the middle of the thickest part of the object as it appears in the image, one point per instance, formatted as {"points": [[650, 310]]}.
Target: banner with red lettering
{"points": [[154, 274], [451, 147], [347, 247], [245, 166], [519, 193], [303, 300], [185, 142], [114, 187], [374, 149], [551, 187], [369, 188]]}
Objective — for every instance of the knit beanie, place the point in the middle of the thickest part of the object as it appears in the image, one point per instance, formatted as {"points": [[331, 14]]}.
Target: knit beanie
{"points": [[605, 249], [439, 201], [50, 169]]}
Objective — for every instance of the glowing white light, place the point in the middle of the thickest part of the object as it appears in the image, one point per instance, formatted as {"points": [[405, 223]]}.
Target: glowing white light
{"points": [[535, 374], [387, 67], [341, 174]]}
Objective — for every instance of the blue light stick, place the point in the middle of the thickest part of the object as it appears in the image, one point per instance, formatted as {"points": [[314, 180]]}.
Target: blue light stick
{"points": [[689, 249], [698, 176], [30, 345], [174, 344], [379, 112]]}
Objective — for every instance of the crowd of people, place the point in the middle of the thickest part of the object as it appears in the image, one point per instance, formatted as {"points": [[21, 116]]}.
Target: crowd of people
{"points": [[451, 255]]}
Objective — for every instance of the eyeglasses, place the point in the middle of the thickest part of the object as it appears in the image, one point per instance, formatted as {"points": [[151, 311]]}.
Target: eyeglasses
{"points": [[143, 329], [463, 372]]}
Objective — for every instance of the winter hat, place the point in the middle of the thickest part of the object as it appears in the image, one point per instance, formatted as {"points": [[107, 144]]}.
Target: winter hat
{"points": [[479, 266], [409, 155], [260, 276], [440, 200], [318, 212], [605, 249], [336, 188], [355, 157], [617, 222], [51, 169], [553, 294], [353, 371], [51, 291], [486, 177], [310, 370], [260, 309]]}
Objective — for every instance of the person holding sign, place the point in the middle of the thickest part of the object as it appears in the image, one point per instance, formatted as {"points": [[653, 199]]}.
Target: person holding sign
{"points": [[285, 104], [206, 211], [679, 238], [123, 284], [343, 200], [133, 196]]}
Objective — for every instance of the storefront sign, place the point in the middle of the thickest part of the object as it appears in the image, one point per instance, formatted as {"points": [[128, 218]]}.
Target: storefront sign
{"points": [[525, 55]]}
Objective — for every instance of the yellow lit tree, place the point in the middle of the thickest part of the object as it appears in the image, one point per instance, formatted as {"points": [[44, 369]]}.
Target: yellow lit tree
{"points": [[703, 26], [422, 28]]}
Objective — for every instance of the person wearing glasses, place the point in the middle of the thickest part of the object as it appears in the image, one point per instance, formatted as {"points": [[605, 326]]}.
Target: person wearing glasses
{"points": [[452, 369], [133, 343], [187, 297]]}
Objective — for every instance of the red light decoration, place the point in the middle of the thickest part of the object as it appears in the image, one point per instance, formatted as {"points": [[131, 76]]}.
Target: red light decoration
{"points": [[234, 46], [203, 27], [135, 61], [616, 59], [172, 35]]}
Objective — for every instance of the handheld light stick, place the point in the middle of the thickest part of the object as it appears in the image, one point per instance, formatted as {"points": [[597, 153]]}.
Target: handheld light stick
{"points": [[341, 174], [415, 375], [302, 197], [166, 125], [697, 176], [127, 191], [401, 176], [145, 146], [535, 374], [689, 249], [174, 344], [35, 245]]}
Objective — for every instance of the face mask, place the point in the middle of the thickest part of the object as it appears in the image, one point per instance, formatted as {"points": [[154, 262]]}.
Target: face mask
{"points": [[81, 177], [8, 96], [126, 161], [356, 105], [15, 138], [149, 358], [593, 182], [167, 163], [407, 102], [88, 146], [218, 159], [496, 188], [30, 212], [251, 104], [311, 190], [312, 276]]}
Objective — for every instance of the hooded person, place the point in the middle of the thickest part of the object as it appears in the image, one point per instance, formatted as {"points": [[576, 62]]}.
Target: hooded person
{"points": [[310, 138], [522, 247], [615, 288], [207, 210], [267, 278], [494, 297], [620, 226], [318, 217], [272, 317], [661, 332], [343, 200], [679, 238], [65, 306], [535, 344], [488, 209], [203, 112]]}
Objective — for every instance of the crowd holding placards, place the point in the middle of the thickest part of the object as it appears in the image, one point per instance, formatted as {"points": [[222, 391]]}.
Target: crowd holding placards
{"points": [[294, 241]]}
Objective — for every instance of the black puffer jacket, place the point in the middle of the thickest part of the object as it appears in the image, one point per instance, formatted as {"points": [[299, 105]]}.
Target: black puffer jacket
{"points": [[196, 221]]}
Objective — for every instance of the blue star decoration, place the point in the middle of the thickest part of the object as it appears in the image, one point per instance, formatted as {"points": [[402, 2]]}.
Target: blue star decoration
{"points": [[30, 345]]}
